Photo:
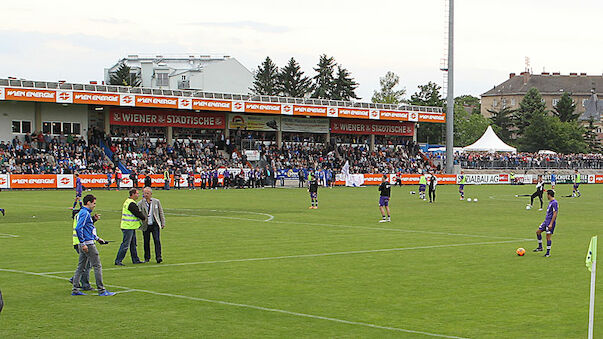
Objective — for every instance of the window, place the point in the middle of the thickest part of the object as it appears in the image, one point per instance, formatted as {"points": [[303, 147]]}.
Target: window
{"points": [[57, 127], [555, 102], [504, 103], [162, 79], [512, 102], [21, 126], [495, 103], [584, 102]]}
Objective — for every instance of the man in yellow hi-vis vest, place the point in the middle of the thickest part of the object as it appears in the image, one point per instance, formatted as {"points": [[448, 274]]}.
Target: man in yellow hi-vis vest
{"points": [[131, 219]]}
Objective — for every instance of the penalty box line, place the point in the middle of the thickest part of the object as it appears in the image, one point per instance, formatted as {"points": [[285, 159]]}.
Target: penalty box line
{"points": [[248, 306], [302, 256]]}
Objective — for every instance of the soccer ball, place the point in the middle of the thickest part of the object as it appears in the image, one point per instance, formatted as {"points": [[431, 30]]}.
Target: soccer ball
{"points": [[520, 252], [468, 199], [528, 207], [475, 200]]}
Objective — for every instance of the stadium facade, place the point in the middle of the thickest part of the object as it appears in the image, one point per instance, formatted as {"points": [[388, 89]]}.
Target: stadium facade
{"points": [[64, 108]]}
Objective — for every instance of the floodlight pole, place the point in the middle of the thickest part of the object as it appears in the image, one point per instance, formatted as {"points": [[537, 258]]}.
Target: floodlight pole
{"points": [[450, 99]]}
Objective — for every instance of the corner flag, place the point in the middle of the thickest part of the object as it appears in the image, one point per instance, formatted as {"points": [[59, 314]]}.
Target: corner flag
{"points": [[591, 255]]}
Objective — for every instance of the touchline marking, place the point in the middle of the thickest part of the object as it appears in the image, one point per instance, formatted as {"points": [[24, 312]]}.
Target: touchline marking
{"points": [[260, 308], [7, 236], [303, 255]]}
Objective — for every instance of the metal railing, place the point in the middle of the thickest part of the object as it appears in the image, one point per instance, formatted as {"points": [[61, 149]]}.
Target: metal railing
{"points": [[527, 165], [212, 95]]}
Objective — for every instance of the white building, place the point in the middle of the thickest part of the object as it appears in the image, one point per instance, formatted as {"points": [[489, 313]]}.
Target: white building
{"points": [[205, 73]]}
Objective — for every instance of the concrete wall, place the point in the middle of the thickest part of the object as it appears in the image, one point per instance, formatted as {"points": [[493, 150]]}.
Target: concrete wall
{"points": [[14, 110], [228, 76]]}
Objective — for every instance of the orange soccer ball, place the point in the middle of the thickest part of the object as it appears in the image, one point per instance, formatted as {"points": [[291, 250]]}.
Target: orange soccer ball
{"points": [[520, 252]]}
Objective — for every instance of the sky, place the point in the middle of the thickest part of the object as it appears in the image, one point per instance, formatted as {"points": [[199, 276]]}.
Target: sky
{"points": [[76, 40]]}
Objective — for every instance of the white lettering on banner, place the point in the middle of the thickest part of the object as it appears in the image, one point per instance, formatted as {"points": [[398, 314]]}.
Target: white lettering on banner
{"points": [[30, 94], [37, 181], [305, 109], [213, 104], [159, 101], [400, 129], [263, 107], [97, 97], [142, 118], [482, 179], [189, 120], [433, 117], [352, 112], [93, 181]]}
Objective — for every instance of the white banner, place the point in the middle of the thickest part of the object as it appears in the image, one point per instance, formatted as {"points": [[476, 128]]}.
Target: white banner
{"points": [[478, 179], [4, 181], [65, 181], [307, 125]]}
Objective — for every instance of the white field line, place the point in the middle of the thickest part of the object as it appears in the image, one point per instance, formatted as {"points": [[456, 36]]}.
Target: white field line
{"points": [[259, 308], [302, 256], [7, 236]]}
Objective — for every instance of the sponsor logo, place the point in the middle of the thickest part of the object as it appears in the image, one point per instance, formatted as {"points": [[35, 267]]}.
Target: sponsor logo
{"points": [[238, 105], [65, 181], [64, 96], [2, 181]]}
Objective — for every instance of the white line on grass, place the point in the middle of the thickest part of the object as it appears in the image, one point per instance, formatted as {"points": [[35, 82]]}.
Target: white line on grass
{"points": [[7, 236], [260, 308], [303, 255]]}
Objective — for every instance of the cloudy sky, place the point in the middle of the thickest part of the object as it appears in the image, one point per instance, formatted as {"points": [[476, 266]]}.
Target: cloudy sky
{"points": [[75, 40]]}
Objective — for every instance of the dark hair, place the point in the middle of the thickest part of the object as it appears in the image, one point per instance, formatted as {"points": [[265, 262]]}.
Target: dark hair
{"points": [[88, 198], [385, 176], [133, 191], [551, 193]]}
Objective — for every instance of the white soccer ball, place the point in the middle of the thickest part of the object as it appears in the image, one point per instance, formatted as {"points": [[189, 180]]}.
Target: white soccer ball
{"points": [[468, 199], [475, 200], [528, 207]]}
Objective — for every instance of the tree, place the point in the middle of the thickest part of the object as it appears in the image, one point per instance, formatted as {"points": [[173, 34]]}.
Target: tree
{"points": [[266, 79], [468, 127], [123, 77], [292, 82], [502, 123], [469, 102], [387, 94], [345, 86], [324, 83], [590, 137], [565, 108], [531, 106], [548, 132], [429, 95]]}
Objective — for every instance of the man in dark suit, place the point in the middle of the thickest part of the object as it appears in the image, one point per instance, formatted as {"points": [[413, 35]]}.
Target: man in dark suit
{"points": [[147, 180], [151, 208]]}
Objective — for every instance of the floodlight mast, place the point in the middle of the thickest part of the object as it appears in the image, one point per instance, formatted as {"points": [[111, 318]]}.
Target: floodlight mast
{"points": [[450, 93]]}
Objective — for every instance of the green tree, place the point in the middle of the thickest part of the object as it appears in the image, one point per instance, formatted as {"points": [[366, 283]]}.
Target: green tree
{"points": [[548, 132], [468, 127], [590, 137], [266, 79], [565, 108], [324, 82], [345, 86], [387, 94], [530, 107], [123, 77], [293, 82], [429, 95], [469, 102], [502, 123]]}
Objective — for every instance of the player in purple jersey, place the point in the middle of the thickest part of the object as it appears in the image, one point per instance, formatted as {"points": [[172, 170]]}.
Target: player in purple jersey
{"points": [[384, 195], [549, 223], [78, 191]]}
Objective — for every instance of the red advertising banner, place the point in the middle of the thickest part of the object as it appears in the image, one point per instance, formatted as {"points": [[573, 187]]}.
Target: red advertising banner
{"points": [[353, 113], [212, 105], [28, 94], [141, 117], [155, 101], [262, 107], [95, 98], [376, 127], [314, 111], [432, 117], [33, 181]]}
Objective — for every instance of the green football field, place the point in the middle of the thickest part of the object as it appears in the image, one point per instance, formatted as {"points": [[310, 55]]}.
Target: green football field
{"points": [[259, 263]]}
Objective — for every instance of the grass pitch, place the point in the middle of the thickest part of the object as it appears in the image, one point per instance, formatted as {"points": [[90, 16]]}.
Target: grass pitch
{"points": [[258, 263]]}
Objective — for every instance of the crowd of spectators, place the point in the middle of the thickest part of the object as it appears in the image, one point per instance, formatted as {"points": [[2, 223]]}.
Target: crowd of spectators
{"points": [[39, 153], [528, 161], [145, 151]]}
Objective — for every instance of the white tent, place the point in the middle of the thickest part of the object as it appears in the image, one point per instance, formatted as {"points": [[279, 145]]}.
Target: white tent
{"points": [[489, 142]]}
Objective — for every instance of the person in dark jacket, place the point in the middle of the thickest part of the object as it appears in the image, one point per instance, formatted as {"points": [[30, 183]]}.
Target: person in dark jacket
{"points": [[147, 180]]}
